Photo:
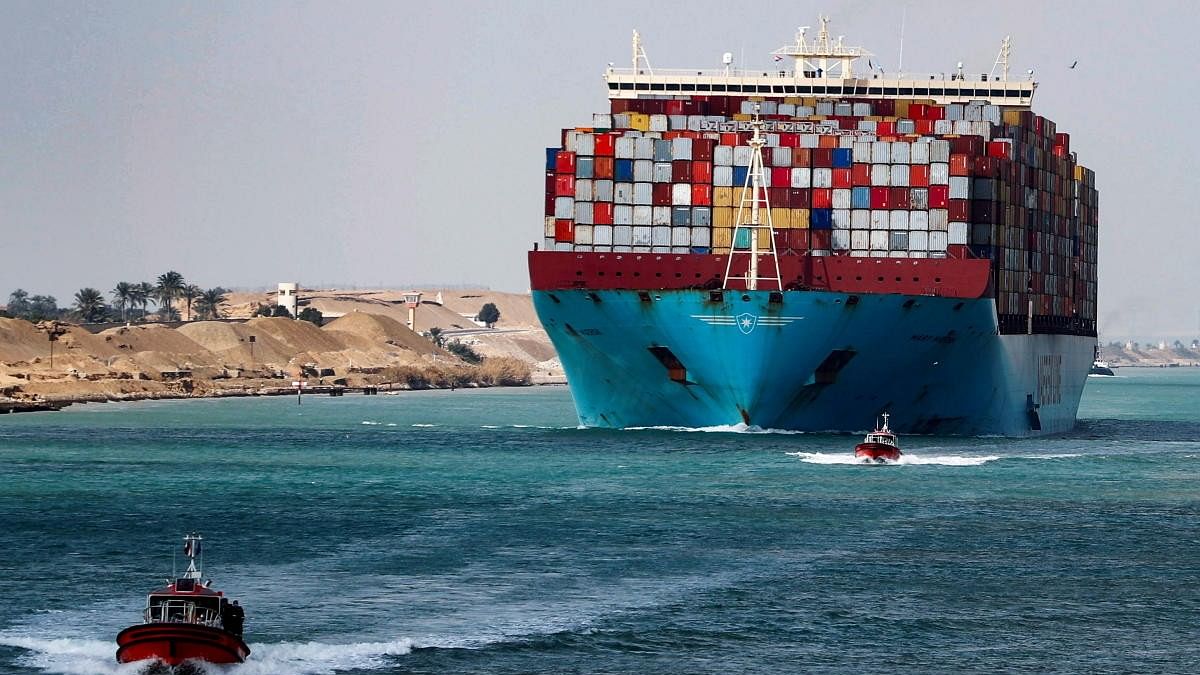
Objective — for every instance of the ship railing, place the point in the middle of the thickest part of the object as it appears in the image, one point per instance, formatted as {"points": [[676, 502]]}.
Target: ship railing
{"points": [[182, 611], [783, 73]]}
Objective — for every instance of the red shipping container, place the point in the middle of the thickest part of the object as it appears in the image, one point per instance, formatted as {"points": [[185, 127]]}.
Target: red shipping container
{"points": [[605, 145], [681, 171], [564, 162], [822, 158], [820, 239], [549, 204], [702, 172], [960, 165], [675, 107], [960, 209], [564, 230], [551, 181], [802, 157], [881, 198], [885, 128], [842, 178], [924, 127], [729, 138], [999, 149], [1063, 141], [967, 145], [822, 198], [883, 107], [789, 140], [958, 251], [916, 111], [860, 175], [781, 176], [702, 149], [620, 105], [702, 195], [918, 175], [935, 112], [564, 186], [799, 198], [939, 196], [661, 194], [898, 197], [603, 167], [602, 213], [779, 197]]}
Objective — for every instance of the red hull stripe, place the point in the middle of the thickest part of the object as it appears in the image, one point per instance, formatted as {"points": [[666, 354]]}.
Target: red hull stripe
{"points": [[176, 643]]}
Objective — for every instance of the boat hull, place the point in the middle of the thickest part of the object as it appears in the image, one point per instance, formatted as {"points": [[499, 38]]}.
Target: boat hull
{"points": [[877, 452], [809, 361], [175, 643]]}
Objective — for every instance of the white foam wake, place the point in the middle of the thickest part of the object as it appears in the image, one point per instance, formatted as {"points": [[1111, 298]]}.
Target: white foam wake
{"points": [[719, 429], [906, 459], [74, 656]]}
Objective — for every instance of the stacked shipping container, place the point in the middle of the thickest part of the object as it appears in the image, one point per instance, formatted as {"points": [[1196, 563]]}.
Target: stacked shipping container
{"points": [[878, 178]]}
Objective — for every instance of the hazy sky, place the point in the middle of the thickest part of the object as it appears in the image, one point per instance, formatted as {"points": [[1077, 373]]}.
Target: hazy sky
{"points": [[395, 143]]}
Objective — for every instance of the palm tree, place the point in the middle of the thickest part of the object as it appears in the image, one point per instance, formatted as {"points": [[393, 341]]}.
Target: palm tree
{"points": [[145, 295], [123, 298], [89, 304], [170, 284], [209, 304], [189, 293]]}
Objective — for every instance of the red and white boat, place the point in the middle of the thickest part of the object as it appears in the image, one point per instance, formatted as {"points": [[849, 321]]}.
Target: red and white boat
{"points": [[880, 445], [186, 621]]}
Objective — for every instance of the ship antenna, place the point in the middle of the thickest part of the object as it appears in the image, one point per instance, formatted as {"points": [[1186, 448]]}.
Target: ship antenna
{"points": [[754, 194], [1002, 58], [193, 549], [639, 54]]}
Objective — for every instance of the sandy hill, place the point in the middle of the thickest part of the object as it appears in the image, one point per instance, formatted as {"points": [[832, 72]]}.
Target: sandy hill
{"points": [[231, 344], [377, 328], [21, 341]]}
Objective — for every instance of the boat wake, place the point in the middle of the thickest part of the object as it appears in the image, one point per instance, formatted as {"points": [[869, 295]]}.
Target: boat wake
{"points": [[906, 459], [719, 429], [74, 656]]}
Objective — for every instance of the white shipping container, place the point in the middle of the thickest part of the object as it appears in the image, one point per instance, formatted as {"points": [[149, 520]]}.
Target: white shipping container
{"points": [[772, 140], [583, 190], [622, 235], [681, 236], [621, 121], [841, 240], [898, 220], [822, 177], [602, 190], [677, 122], [862, 109], [906, 127], [958, 233], [642, 236], [879, 240], [898, 241], [954, 111], [918, 254], [643, 193], [623, 193], [601, 249], [805, 111], [723, 155], [585, 145], [897, 254], [624, 147], [681, 194], [564, 207], [622, 214], [660, 236], [857, 253], [900, 175], [919, 152], [781, 156], [701, 236], [939, 219], [662, 150], [701, 216], [861, 152], [841, 200], [788, 109], [918, 240], [900, 152], [563, 246], [662, 172], [602, 120], [991, 114], [695, 122], [918, 198], [583, 213], [602, 235], [960, 187], [860, 239], [658, 123], [643, 171], [843, 109], [643, 148], [860, 219], [939, 150], [973, 112], [661, 215], [918, 220], [880, 220], [801, 177], [742, 155], [810, 141], [942, 127], [867, 125], [723, 176], [937, 241], [642, 215], [982, 129], [881, 152], [939, 174], [583, 234], [681, 148], [881, 175], [841, 219], [825, 107], [962, 127], [549, 226]]}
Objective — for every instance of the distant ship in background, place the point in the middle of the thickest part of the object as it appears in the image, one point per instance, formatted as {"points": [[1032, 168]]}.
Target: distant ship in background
{"points": [[805, 247]]}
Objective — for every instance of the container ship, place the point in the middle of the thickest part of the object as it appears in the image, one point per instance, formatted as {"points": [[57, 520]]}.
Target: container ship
{"points": [[811, 246]]}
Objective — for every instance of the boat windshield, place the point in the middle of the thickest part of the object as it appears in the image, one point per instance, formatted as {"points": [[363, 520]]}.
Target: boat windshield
{"points": [[885, 439], [167, 609]]}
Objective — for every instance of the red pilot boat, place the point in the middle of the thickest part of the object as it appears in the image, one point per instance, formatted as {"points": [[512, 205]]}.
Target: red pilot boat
{"points": [[880, 445], [186, 621]]}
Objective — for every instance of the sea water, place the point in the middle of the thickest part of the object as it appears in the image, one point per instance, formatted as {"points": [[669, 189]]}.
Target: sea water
{"points": [[480, 531]]}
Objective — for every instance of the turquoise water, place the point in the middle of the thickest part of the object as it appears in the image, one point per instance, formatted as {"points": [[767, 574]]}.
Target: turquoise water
{"points": [[481, 532]]}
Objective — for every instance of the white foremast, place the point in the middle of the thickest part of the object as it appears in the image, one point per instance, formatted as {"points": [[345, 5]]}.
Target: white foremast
{"points": [[754, 194], [820, 58]]}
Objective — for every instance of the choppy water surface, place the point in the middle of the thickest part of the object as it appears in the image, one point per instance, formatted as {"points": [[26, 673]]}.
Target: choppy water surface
{"points": [[481, 532]]}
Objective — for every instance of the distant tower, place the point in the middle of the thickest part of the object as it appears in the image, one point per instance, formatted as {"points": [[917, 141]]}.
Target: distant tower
{"points": [[411, 300], [286, 297]]}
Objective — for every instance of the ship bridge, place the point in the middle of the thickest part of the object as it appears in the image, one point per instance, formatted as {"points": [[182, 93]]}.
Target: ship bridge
{"points": [[820, 68]]}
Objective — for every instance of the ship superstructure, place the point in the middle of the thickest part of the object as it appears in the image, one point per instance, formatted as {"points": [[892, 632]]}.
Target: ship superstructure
{"points": [[728, 246]]}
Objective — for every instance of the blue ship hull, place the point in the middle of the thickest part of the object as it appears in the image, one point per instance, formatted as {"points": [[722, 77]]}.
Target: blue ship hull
{"points": [[811, 361]]}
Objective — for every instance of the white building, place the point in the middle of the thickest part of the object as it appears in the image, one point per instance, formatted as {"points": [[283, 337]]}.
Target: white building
{"points": [[286, 296]]}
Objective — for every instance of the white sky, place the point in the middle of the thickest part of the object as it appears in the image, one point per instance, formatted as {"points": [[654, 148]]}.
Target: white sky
{"points": [[389, 143]]}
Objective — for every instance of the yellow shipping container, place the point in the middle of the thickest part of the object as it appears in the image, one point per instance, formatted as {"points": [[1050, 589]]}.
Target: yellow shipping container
{"points": [[742, 117], [810, 101], [781, 218], [764, 240], [722, 238], [1079, 169], [639, 121], [723, 196], [724, 216], [794, 100], [902, 107], [800, 219], [1012, 117]]}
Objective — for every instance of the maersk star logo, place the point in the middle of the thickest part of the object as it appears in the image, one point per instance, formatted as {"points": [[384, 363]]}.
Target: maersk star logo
{"points": [[746, 322]]}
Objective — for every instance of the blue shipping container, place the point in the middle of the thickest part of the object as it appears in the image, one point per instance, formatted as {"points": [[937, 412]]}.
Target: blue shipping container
{"points": [[842, 158], [681, 216], [821, 219], [623, 170], [741, 238], [551, 157], [860, 198], [739, 175]]}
